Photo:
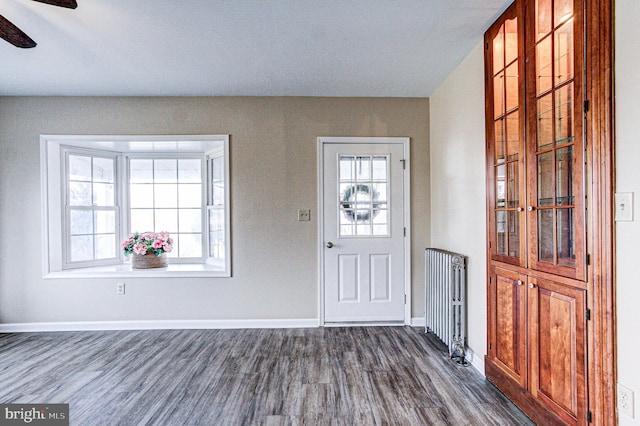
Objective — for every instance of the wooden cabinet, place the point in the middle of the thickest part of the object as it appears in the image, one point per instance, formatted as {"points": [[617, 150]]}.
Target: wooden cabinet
{"points": [[536, 218]]}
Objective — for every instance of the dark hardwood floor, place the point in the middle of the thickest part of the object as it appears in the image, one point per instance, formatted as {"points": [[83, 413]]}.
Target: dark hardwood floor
{"points": [[343, 376]]}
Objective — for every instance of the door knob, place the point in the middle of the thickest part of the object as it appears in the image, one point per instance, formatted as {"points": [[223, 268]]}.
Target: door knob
{"points": [[532, 285], [329, 244], [520, 282], [530, 208]]}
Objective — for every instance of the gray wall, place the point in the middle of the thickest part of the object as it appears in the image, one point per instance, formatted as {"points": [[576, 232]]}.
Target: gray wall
{"points": [[273, 174]]}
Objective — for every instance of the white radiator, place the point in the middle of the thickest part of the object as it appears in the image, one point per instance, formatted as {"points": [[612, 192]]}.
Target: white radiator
{"points": [[445, 307]]}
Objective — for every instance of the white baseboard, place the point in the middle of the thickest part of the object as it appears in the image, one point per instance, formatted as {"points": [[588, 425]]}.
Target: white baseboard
{"points": [[157, 325], [476, 361], [417, 322]]}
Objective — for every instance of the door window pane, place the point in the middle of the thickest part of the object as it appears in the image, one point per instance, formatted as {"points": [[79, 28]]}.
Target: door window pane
{"points": [[514, 233], [362, 195], [498, 95], [543, 18], [566, 243], [564, 114], [513, 135], [545, 236], [500, 185], [501, 243], [545, 179], [499, 141], [544, 72], [513, 188], [563, 53], [564, 176], [563, 10], [511, 86], [545, 121], [511, 39]]}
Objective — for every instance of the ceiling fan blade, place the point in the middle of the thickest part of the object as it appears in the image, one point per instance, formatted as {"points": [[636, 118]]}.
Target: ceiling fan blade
{"points": [[14, 35], [70, 4]]}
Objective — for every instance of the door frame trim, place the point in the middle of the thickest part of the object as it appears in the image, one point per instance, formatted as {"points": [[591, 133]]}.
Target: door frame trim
{"points": [[405, 141]]}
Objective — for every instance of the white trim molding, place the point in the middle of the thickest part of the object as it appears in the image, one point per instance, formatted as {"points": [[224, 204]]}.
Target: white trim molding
{"points": [[157, 325]]}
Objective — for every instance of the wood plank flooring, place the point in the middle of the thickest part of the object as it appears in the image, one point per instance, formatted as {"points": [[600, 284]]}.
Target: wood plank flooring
{"points": [[341, 376]]}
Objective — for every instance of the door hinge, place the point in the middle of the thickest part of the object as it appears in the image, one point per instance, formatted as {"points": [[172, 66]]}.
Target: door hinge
{"points": [[586, 106], [404, 164], [490, 346], [489, 280], [588, 259], [589, 417], [405, 231], [405, 299], [489, 244], [587, 314]]}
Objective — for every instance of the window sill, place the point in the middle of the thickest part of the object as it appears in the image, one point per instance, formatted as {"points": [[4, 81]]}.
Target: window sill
{"points": [[175, 270]]}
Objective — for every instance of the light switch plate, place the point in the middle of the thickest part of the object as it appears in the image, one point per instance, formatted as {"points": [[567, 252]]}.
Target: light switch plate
{"points": [[304, 215], [624, 206]]}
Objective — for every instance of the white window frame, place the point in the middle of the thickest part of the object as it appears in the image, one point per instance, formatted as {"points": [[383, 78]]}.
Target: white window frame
{"points": [[52, 157]]}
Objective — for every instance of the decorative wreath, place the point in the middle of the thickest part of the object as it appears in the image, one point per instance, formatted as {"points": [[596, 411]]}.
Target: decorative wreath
{"points": [[348, 203]]}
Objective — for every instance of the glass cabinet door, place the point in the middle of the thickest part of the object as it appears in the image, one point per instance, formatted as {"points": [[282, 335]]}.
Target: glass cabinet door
{"points": [[505, 137], [555, 156]]}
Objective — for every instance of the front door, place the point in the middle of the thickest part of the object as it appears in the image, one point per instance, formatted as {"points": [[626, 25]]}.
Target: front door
{"points": [[363, 232]]}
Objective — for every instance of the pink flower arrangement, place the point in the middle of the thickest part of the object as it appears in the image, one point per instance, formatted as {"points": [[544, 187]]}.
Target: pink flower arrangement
{"points": [[147, 242]]}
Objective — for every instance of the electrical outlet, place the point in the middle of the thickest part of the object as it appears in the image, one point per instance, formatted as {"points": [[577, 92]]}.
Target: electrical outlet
{"points": [[120, 289], [304, 215], [625, 400]]}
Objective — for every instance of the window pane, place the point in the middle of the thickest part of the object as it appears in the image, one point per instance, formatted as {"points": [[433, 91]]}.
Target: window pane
{"points": [[499, 141], [379, 193], [566, 243], [363, 168], [190, 245], [81, 248], [190, 220], [141, 220], [103, 169], [103, 194], [513, 189], [165, 195], [543, 18], [166, 220], [564, 114], [347, 168], [105, 222], [105, 246], [514, 233], [500, 185], [80, 194], [189, 170], [545, 235], [513, 135], [511, 39], [190, 195], [511, 75], [498, 50], [501, 246], [141, 196], [81, 222], [544, 72], [563, 10], [545, 179], [545, 121], [498, 95], [380, 168], [140, 171], [564, 176], [563, 53], [79, 168], [165, 171]]}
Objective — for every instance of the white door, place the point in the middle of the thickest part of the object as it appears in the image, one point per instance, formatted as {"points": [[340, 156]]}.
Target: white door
{"points": [[364, 232]]}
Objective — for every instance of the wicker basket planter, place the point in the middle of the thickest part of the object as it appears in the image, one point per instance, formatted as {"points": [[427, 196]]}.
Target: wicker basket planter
{"points": [[148, 261]]}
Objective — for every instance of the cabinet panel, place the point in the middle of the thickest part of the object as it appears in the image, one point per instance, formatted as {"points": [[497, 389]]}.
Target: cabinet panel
{"points": [[557, 342], [507, 304]]}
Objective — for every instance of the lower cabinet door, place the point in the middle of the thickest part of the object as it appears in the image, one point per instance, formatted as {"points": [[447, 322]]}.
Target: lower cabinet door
{"points": [[557, 344], [507, 294]]}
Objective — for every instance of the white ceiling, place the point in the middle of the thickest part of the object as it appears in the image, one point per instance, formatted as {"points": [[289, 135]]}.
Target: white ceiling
{"points": [[403, 48]]}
